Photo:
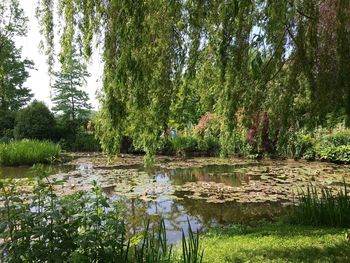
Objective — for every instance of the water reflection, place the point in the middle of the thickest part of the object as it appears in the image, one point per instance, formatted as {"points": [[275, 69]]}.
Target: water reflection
{"points": [[156, 198], [26, 171], [177, 211], [200, 214], [226, 174]]}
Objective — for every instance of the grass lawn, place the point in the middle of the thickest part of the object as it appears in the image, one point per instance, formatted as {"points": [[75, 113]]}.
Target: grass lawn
{"points": [[275, 243]]}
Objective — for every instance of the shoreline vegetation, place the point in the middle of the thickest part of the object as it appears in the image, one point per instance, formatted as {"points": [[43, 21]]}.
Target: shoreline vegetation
{"points": [[28, 152]]}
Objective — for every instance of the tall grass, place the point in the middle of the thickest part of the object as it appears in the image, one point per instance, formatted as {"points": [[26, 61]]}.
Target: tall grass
{"points": [[323, 208], [191, 251], [83, 227], [28, 152]]}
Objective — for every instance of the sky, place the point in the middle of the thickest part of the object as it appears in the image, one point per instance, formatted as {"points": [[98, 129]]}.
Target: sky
{"points": [[39, 80]]}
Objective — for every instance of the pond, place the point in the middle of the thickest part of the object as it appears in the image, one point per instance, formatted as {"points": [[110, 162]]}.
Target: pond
{"points": [[204, 191]]}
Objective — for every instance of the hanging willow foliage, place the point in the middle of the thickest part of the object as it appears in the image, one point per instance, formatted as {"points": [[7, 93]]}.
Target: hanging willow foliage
{"points": [[168, 62]]}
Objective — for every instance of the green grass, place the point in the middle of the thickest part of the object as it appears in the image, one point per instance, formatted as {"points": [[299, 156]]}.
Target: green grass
{"points": [[276, 243], [28, 152]]}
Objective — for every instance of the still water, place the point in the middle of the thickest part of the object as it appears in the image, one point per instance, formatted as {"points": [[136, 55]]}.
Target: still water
{"points": [[205, 196]]}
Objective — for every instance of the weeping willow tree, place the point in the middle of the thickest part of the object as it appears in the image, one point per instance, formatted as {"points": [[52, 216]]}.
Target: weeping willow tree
{"points": [[169, 62]]}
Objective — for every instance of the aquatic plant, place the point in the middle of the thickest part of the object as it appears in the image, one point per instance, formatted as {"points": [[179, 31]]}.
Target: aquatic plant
{"points": [[40, 226], [191, 251], [322, 207], [28, 152]]}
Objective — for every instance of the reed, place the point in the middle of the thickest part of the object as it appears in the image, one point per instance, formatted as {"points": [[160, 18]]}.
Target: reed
{"points": [[28, 152], [323, 207]]}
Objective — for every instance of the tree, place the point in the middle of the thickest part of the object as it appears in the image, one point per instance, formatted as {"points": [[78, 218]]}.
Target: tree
{"points": [[13, 22], [13, 69], [13, 73], [7, 123], [171, 61], [35, 121], [70, 101]]}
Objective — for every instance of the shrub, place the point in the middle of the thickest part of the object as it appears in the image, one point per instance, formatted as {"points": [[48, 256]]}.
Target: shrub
{"points": [[35, 122], [166, 146], [304, 146], [86, 142], [83, 227], [322, 208], [209, 122], [259, 135], [332, 147], [83, 142], [7, 123], [239, 143], [184, 145], [28, 152], [340, 154], [209, 145], [337, 138]]}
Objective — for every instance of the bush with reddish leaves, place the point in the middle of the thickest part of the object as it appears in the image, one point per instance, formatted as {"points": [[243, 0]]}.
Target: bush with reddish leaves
{"points": [[258, 135], [207, 123]]}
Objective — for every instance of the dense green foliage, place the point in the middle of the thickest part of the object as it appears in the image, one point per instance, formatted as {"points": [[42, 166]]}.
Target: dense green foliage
{"points": [[82, 142], [190, 145], [322, 208], [184, 144], [332, 146], [322, 144], [71, 103], [13, 68], [13, 73], [275, 243], [340, 154], [35, 121], [84, 227], [7, 124], [28, 152], [265, 68]]}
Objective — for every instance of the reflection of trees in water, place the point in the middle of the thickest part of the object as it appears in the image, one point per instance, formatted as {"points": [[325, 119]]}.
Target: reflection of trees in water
{"points": [[175, 212], [200, 213], [139, 212], [25, 172], [232, 212], [227, 174]]}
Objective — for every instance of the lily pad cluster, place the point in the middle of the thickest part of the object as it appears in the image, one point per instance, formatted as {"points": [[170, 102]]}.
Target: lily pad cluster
{"points": [[268, 182], [241, 181]]}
